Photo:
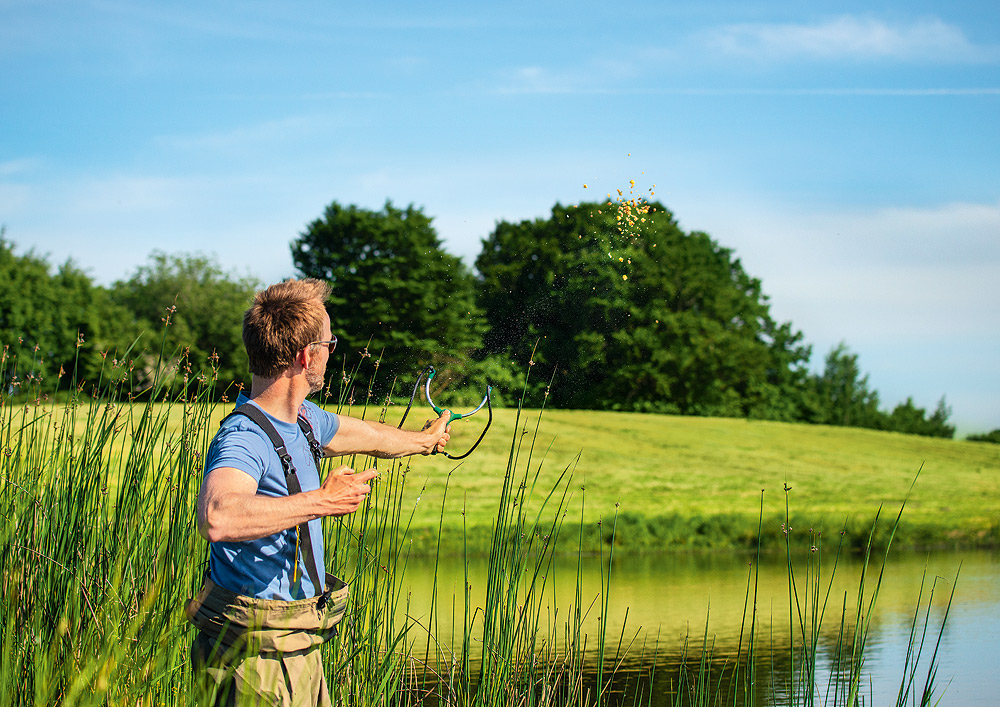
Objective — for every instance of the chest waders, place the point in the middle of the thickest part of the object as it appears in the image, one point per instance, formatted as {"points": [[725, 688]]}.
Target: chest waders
{"points": [[247, 647]]}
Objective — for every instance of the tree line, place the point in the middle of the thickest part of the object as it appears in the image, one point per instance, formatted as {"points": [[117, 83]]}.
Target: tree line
{"points": [[610, 305]]}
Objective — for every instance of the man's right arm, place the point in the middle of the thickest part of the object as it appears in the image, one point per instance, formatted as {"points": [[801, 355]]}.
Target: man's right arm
{"points": [[383, 441], [230, 510]]}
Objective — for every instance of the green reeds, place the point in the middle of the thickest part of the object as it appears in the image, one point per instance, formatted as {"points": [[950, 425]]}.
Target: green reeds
{"points": [[816, 671], [97, 544], [99, 553]]}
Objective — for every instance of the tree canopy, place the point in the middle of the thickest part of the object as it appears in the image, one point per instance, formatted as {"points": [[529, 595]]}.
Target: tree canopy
{"points": [[53, 324], [840, 394], [629, 311], [396, 292], [640, 318], [205, 306]]}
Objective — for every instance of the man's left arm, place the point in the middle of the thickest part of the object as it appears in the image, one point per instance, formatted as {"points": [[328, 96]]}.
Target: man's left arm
{"points": [[385, 441]]}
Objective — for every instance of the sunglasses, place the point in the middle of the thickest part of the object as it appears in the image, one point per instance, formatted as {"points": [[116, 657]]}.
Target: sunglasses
{"points": [[330, 344]]}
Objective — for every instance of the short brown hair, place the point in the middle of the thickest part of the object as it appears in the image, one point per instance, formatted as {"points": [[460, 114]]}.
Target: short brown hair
{"points": [[283, 320]]}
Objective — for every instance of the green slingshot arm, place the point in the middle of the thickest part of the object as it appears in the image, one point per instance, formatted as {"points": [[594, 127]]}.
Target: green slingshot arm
{"points": [[429, 371], [440, 410]]}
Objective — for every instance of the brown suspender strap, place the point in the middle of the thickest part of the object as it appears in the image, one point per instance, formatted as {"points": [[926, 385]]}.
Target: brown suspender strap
{"points": [[291, 479]]}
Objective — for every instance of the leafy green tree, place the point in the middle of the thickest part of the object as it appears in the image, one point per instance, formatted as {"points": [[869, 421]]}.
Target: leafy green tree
{"points": [[842, 395], [54, 326], [204, 305], [396, 293], [907, 417], [992, 436], [937, 423], [638, 315]]}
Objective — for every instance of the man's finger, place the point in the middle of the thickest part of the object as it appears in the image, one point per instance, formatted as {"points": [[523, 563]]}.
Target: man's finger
{"points": [[341, 470], [441, 420]]}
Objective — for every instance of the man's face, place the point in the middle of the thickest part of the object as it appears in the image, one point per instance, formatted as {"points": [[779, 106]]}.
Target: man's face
{"points": [[316, 372]]}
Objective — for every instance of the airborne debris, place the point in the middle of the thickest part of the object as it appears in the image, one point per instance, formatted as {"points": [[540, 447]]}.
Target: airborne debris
{"points": [[632, 212]]}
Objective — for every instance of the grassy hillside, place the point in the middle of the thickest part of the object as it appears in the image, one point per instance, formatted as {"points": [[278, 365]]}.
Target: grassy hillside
{"points": [[696, 482], [691, 482]]}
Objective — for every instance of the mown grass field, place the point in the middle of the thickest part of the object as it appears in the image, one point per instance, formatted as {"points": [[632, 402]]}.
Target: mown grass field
{"points": [[671, 476], [691, 482]]}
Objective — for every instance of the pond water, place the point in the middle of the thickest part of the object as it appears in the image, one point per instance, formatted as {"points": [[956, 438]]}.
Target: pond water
{"points": [[657, 604]]}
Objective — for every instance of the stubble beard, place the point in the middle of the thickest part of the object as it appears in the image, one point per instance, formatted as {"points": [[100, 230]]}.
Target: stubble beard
{"points": [[315, 379]]}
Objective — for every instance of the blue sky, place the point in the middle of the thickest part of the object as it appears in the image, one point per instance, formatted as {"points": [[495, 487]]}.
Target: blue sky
{"points": [[848, 152]]}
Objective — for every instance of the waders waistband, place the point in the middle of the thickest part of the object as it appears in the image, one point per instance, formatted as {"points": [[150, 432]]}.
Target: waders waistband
{"points": [[239, 622]]}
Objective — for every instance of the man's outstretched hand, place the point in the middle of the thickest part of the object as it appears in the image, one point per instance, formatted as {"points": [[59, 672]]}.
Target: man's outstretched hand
{"points": [[438, 430]]}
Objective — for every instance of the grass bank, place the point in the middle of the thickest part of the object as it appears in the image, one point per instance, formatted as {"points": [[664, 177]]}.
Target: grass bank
{"points": [[681, 483], [693, 482]]}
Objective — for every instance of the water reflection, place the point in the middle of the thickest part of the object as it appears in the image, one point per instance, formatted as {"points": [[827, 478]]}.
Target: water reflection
{"points": [[660, 606]]}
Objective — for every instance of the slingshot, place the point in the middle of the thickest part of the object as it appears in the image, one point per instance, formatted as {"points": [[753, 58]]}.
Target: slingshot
{"points": [[430, 371]]}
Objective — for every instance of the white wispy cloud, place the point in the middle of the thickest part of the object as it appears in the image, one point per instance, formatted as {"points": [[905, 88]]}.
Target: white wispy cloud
{"points": [[16, 190], [13, 198], [537, 79], [10, 168], [627, 77], [851, 37], [600, 75], [872, 273], [129, 194], [245, 136], [956, 233], [821, 91]]}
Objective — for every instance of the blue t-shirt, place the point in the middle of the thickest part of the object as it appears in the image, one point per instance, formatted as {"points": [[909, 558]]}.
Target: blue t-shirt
{"points": [[263, 567]]}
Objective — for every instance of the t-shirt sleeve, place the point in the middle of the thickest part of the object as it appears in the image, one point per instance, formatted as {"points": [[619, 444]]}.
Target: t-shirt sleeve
{"points": [[240, 449], [325, 424]]}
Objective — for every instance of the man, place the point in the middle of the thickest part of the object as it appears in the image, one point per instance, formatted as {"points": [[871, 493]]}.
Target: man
{"points": [[264, 611]]}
